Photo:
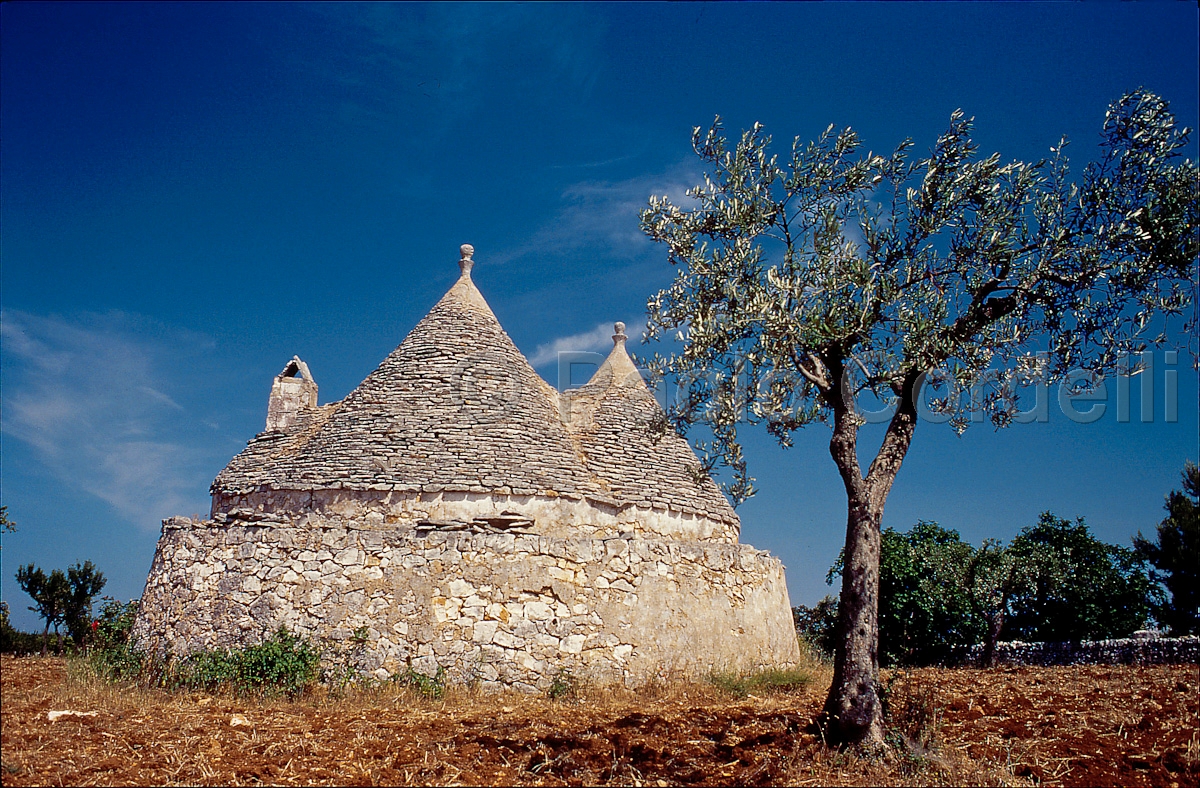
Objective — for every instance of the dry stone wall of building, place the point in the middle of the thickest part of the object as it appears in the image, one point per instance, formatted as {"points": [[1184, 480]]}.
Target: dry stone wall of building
{"points": [[498, 608]]}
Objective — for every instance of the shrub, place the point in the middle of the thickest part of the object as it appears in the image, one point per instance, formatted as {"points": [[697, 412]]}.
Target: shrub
{"points": [[206, 670], [817, 625], [110, 654], [114, 623], [13, 640], [283, 663]]}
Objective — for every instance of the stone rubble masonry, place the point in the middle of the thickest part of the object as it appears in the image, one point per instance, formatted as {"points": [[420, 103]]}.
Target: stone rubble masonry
{"points": [[501, 609], [562, 515]]}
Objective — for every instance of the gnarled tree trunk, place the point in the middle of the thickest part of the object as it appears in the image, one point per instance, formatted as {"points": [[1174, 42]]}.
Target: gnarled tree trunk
{"points": [[853, 712]]}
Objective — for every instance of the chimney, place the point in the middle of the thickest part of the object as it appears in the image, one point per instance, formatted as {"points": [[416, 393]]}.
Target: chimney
{"points": [[290, 395]]}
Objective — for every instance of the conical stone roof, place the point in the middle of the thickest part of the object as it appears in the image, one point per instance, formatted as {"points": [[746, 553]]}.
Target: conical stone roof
{"points": [[454, 407], [626, 442], [457, 408]]}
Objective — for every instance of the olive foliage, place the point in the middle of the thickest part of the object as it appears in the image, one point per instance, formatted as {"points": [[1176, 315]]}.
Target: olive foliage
{"points": [[836, 270]]}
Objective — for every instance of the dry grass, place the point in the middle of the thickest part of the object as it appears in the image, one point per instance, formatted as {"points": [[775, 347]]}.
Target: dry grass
{"points": [[671, 732]]}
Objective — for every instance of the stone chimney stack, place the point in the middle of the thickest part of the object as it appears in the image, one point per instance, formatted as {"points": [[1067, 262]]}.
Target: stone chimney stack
{"points": [[293, 392]]}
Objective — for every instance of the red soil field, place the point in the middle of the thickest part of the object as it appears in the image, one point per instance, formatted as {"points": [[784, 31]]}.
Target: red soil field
{"points": [[1078, 725]]}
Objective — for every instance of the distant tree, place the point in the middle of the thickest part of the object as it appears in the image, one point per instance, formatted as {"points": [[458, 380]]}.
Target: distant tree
{"points": [[925, 609], [818, 624], [1175, 555], [85, 583], [7, 526], [1079, 587], [925, 603], [51, 596], [994, 578], [62, 598], [805, 283]]}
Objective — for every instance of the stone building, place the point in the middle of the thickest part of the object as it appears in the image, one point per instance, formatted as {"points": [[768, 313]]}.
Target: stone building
{"points": [[473, 519]]}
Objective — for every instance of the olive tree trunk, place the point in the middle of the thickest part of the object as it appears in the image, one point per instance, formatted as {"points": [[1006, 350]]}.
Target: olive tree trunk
{"points": [[853, 712]]}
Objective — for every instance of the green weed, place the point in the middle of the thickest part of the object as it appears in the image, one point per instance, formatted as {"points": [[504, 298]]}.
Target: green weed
{"points": [[432, 687], [564, 686], [763, 681]]}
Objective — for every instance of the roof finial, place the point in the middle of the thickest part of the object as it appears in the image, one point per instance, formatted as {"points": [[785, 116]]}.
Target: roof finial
{"points": [[619, 336], [465, 263]]}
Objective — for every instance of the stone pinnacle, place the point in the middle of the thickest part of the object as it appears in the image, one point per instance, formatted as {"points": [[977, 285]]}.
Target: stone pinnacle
{"points": [[465, 262]]}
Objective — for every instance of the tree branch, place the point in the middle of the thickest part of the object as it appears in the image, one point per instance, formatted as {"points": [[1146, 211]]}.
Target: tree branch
{"points": [[843, 444], [896, 441]]}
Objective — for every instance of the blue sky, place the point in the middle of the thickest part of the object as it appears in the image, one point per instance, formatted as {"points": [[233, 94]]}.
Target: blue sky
{"points": [[192, 193]]}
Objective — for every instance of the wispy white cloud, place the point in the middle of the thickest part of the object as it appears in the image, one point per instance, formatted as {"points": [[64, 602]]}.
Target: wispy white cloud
{"points": [[602, 215], [163, 398], [597, 340], [587, 165], [90, 397]]}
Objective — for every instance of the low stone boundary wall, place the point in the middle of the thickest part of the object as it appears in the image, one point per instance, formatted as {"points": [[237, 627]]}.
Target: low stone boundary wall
{"points": [[504, 609], [1126, 651]]}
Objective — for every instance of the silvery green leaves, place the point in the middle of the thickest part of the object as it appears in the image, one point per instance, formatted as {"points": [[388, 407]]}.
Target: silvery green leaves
{"points": [[805, 283]]}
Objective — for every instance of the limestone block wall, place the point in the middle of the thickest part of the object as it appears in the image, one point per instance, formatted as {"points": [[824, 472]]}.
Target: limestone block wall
{"points": [[502, 609]]}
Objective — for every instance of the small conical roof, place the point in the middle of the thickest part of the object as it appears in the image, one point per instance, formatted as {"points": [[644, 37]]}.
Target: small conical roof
{"points": [[454, 407], [622, 432]]}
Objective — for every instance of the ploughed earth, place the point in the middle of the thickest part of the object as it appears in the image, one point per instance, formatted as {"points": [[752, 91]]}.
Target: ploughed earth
{"points": [[1078, 725]]}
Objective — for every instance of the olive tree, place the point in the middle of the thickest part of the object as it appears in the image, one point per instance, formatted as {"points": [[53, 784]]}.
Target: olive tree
{"points": [[807, 284], [51, 594], [995, 577], [62, 598]]}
